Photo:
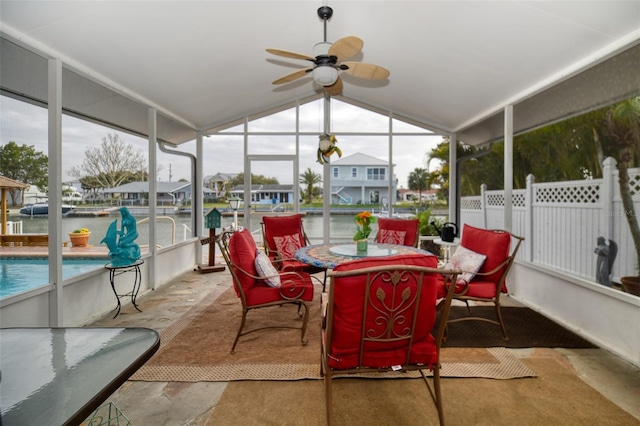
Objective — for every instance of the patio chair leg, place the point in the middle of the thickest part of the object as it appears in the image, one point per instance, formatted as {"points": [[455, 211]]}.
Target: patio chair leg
{"points": [[327, 395], [235, 342], [438, 394], [504, 329], [304, 323]]}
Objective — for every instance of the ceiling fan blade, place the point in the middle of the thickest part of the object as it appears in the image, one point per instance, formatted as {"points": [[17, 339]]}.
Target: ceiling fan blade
{"points": [[291, 55], [335, 89], [368, 71], [346, 47], [293, 76]]}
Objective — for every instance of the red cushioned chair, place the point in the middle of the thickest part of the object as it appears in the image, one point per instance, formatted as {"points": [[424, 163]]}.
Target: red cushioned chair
{"points": [[490, 281], [379, 317], [240, 251], [283, 236], [398, 231]]}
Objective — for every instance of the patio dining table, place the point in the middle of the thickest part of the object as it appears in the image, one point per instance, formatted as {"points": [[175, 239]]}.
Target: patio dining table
{"points": [[330, 255]]}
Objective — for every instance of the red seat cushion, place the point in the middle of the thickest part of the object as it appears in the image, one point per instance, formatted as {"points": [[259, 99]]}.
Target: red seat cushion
{"points": [[409, 226], [349, 293], [494, 244], [293, 286], [481, 289], [242, 250]]}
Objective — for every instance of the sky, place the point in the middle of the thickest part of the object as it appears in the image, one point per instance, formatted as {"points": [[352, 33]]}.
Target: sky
{"points": [[26, 124]]}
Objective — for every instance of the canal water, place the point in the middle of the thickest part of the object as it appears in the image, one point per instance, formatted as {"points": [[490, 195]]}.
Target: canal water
{"points": [[176, 228]]}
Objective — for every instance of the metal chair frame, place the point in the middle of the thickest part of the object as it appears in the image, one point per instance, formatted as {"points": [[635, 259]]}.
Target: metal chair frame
{"points": [[286, 278], [462, 294]]}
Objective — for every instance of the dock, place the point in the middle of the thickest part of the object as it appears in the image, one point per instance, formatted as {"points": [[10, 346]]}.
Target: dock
{"points": [[88, 213]]}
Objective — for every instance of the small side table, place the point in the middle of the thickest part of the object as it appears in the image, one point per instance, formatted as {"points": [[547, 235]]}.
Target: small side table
{"points": [[114, 271], [447, 245]]}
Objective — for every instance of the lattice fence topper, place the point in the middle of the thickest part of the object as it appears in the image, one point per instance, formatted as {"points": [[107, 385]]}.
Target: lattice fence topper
{"points": [[586, 194], [518, 199], [495, 199], [634, 183], [471, 203]]}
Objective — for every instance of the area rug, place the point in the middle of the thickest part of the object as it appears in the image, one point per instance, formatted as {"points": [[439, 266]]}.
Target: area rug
{"points": [[196, 348], [556, 397], [525, 328]]}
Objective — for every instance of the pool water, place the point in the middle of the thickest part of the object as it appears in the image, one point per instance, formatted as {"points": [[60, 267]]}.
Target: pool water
{"points": [[18, 275]]}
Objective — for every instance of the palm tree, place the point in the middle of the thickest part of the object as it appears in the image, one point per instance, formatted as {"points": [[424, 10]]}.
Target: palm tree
{"points": [[310, 179], [622, 131], [417, 181]]}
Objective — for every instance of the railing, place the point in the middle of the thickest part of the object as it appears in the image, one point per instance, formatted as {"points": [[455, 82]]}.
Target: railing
{"points": [[170, 219], [561, 221]]}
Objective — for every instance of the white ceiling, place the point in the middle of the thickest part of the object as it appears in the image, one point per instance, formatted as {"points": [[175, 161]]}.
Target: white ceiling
{"points": [[452, 63]]}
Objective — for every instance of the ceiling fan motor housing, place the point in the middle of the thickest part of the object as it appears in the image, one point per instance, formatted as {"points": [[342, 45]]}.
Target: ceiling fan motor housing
{"points": [[325, 73]]}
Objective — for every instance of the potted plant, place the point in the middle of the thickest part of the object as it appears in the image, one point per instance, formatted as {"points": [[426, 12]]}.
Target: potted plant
{"points": [[622, 131], [80, 237], [427, 229], [363, 222]]}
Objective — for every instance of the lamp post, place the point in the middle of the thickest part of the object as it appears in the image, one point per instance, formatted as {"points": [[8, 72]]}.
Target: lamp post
{"points": [[234, 203]]}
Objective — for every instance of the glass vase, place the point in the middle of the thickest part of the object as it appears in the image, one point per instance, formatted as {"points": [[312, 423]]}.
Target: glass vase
{"points": [[362, 246]]}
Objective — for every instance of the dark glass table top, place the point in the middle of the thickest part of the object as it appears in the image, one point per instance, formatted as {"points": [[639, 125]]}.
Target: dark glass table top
{"points": [[57, 376]]}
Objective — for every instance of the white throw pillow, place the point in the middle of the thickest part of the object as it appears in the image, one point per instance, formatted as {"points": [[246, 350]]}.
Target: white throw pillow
{"points": [[466, 260], [266, 270]]}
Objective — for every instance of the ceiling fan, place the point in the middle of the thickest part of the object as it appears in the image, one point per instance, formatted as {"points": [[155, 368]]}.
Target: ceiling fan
{"points": [[328, 61]]}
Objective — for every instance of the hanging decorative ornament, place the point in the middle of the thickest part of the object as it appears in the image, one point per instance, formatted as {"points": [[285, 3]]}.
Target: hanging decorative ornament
{"points": [[326, 148]]}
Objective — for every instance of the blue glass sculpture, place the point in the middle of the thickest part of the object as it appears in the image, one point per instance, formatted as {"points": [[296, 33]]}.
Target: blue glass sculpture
{"points": [[123, 251]]}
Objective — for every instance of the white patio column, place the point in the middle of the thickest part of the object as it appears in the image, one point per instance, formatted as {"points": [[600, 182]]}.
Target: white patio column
{"points": [[153, 195], [326, 171], [56, 299], [508, 167], [197, 195], [246, 219], [453, 180]]}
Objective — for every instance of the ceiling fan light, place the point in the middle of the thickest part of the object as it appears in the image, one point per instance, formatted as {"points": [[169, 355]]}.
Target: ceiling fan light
{"points": [[325, 75]]}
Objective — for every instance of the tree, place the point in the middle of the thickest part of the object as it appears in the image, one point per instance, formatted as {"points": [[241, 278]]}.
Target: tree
{"points": [[310, 179], [622, 130], [112, 164], [24, 164], [417, 181], [255, 180]]}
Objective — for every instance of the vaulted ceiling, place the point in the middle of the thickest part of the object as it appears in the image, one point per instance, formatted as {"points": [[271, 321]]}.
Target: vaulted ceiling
{"points": [[203, 63]]}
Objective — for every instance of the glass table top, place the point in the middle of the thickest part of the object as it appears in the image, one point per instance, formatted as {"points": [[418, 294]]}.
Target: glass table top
{"points": [[373, 250], [59, 376]]}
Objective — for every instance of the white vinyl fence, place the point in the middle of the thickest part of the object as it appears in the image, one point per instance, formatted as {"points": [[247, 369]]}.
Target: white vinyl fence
{"points": [[561, 221]]}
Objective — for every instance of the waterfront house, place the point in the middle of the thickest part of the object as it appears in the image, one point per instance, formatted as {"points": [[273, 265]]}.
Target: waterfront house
{"points": [[362, 179], [137, 193], [267, 194], [218, 183]]}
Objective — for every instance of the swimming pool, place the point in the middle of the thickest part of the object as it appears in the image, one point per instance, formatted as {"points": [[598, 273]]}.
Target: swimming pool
{"points": [[18, 275]]}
